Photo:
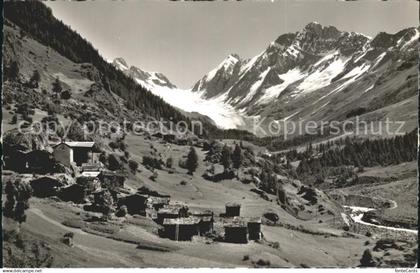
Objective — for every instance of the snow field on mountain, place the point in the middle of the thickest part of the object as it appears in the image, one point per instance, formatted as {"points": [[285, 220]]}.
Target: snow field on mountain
{"points": [[223, 114]]}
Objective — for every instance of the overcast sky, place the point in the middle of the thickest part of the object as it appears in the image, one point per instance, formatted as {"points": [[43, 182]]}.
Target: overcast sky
{"points": [[184, 40]]}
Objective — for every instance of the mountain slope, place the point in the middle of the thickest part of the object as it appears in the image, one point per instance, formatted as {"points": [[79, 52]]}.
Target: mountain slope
{"points": [[58, 36], [320, 73]]}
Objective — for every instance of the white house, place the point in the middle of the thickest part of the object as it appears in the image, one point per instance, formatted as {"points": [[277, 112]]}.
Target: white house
{"points": [[78, 152]]}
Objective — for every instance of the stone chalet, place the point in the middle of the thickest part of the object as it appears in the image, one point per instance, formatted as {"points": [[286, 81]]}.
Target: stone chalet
{"points": [[74, 152]]}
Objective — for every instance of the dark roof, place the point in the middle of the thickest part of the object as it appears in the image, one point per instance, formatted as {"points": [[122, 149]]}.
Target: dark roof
{"points": [[47, 179], [232, 204]]}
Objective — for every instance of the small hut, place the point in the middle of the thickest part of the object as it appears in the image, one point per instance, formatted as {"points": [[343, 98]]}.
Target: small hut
{"points": [[206, 220], [75, 193], [169, 138], [180, 229], [90, 183], [40, 161], [254, 228], [73, 151], [167, 213], [232, 209], [236, 231], [205, 225], [136, 203], [156, 202], [111, 180], [15, 160], [182, 141], [46, 186]]}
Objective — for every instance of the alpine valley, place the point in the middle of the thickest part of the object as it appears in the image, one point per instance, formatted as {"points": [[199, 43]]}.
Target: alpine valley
{"points": [[317, 74], [76, 194]]}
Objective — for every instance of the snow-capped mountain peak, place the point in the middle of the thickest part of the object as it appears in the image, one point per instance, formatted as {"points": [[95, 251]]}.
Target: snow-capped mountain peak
{"points": [[221, 77], [121, 64], [147, 79], [317, 62], [227, 65]]}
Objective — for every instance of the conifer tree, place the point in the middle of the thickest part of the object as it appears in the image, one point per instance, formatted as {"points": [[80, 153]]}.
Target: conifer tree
{"points": [[237, 157], [57, 88], [226, 159], [17, 202], [13, 71], [192, 161], [35, 78], [9, 205]]}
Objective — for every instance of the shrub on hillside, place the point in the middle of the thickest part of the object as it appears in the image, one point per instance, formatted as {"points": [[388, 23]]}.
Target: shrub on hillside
{"points": [[169, 162], [367, 259], [152, 162], [14, 119], [65, 95], [122, 211], [113, 162], [154, 176], [133, 166], [113, 145]]}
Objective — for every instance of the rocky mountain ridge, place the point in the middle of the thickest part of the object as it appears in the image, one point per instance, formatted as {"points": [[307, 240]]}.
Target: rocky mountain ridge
{"points": [[147, 79]]}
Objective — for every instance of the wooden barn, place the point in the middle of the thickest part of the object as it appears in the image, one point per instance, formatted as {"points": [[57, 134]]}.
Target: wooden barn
{"points": [[205, 224], [111, 180], [89, 182], [46, 186], [254, 228], [40, 161], [236, 231], [232, 210], [75, 193], [206, 220], [136, 203], [36, 161], [15, 160], [167, 213], [180, 229], [157, 202]]}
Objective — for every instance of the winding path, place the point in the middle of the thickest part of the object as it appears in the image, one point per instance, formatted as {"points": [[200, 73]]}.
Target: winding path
{"points": [[357, 214], [85, 240]]}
